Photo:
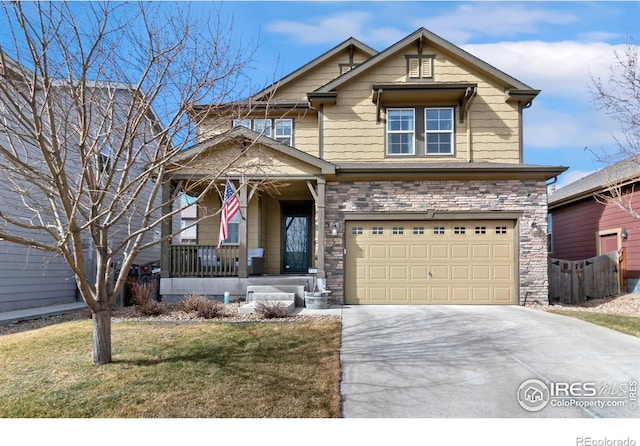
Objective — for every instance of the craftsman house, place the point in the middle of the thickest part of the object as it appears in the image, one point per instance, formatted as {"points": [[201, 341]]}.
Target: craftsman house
{"points": [[586, 222], [391, 177]]}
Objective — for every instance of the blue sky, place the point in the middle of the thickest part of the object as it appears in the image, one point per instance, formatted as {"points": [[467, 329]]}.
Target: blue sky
{"points": [[552, 46]]}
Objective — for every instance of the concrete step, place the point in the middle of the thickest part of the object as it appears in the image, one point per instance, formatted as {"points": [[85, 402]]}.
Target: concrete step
{"points": [[253, 297], [250, 308]]}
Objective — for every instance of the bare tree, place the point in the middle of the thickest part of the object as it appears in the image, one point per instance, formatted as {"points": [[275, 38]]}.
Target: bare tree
{"points": [[619, 97], [96, 104]]}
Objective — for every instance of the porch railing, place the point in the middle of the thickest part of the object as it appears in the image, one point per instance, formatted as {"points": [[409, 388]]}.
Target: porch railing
{"points": [[204, 261]]}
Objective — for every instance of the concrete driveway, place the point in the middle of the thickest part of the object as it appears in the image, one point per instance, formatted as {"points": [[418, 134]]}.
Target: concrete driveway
{"points": [[472, 361]]}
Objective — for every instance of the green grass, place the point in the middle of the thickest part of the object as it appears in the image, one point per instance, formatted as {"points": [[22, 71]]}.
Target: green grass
{"points": [[204, 370], [625, 324]]}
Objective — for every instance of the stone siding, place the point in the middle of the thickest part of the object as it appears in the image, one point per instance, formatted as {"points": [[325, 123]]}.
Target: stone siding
{"points": [[526, 197]]}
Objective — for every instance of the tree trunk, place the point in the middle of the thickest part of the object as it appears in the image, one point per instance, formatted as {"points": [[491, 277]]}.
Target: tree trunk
{"points": [[102, 337]]}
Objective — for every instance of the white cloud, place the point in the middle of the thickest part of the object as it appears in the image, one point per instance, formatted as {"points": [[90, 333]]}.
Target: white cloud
{"points": [[557, 68], [492, 19], [334, 28]]}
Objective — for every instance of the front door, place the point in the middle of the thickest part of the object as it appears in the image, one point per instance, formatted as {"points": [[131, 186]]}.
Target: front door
{"points": [[296, 237]]}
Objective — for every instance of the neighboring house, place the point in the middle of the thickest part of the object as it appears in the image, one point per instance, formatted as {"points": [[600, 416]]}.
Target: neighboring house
{"points": [[189, 233], [30, 277], [584, 225], [397, 176]]}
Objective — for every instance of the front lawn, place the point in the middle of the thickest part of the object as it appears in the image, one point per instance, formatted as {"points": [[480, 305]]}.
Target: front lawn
{"points": [[625, 324], [174, 370]]}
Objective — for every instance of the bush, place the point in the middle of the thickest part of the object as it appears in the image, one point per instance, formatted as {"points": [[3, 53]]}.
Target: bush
{"points": [[271, 309], [203, 307], [143, 297]]}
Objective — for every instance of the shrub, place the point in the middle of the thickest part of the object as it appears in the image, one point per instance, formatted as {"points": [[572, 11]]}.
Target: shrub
{"points": [[203, 307], [143, 297], [271, 309]]}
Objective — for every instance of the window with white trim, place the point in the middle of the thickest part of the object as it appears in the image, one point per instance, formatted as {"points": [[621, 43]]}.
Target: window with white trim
{"points": [[233, 231], [279, 129], [262, 126], [400, 131], [283, 131], [438, 129]]}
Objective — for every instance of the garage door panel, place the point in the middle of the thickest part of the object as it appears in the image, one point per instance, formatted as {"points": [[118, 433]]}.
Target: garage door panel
{"points": [[398, 272], [439, 251], [398, 252], [439, 272], [377, 272], [442, 262], [378, 251], [459, 272]]}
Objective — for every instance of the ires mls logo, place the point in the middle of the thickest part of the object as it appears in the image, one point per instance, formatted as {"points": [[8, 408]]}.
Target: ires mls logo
{"points": [[534, 395]]}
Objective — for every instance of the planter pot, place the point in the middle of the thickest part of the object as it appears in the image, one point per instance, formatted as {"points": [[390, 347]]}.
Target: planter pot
{"points": [[317, 300]]}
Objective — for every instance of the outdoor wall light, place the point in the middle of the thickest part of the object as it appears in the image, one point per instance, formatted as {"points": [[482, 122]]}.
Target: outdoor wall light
{"points": [[534, 224], [334, 229], [624, 234]]}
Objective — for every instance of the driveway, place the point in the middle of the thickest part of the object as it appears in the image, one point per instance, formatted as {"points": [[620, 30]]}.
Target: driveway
{"points": [[472, 361]]}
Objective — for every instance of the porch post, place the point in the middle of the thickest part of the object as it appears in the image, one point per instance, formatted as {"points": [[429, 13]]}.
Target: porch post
{"points": [[242, 230], [320, 204], [166, 229]]}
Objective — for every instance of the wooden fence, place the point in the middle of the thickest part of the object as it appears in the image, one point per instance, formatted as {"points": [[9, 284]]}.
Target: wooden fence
{"points": [[573, 282]]}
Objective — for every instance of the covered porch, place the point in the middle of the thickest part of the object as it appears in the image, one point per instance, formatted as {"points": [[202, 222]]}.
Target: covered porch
{"points": [[278, 235]]}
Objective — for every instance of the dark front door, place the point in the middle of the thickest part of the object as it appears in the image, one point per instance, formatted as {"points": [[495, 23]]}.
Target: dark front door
{"points": [[296, 237]]}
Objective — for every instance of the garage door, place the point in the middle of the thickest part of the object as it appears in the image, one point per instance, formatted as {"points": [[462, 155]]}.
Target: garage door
{"points": [[434, 262]]}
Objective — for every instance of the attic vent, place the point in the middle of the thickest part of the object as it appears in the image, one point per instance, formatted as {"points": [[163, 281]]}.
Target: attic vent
{"points": [[420, 67], [345, 67]]}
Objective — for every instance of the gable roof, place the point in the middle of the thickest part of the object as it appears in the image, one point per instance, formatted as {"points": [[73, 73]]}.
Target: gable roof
{"points": [[627, 170], [313, 64], [516, 87], [244, 134]]}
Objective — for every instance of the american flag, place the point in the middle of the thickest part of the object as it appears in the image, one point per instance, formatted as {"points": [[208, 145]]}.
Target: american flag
{"points": [[230, 206]]}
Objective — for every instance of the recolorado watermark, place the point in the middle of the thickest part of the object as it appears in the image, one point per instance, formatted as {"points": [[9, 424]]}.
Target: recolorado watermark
{"points": [[534, 395], [588, 441]]}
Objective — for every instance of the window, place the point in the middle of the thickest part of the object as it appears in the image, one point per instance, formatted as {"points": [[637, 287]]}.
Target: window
{"points": [[459, 230], [262, 126], [279, 129], [438, 230], [418, 230], [104, 161], [356, 230], [377, 230], [481, 230], [283, 130], [438, 131], [400, 131], [242, 123], [397, 230], [233, 231], [501, 229]]}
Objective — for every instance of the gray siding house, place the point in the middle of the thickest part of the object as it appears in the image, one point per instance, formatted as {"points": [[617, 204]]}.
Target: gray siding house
{"points": [[30, 277]]}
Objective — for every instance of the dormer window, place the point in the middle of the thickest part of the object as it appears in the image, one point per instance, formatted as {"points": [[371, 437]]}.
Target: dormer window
{"points": [[279, 129], [420, 67]]}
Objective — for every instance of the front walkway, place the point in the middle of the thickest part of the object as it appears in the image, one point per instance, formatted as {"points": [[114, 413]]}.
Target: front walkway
{"points": [[11, 317]]}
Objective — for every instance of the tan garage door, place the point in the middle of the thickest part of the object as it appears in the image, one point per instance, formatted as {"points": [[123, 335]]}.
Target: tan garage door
{"points": [[434, 262]]}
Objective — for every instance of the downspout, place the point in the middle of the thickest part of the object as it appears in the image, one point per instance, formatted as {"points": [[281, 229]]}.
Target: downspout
{"points": [[468, 119], [321, 132]]}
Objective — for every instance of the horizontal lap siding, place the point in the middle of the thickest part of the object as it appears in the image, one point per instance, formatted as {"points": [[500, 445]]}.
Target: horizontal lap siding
{"points": [[351, 132], [575, 227]]}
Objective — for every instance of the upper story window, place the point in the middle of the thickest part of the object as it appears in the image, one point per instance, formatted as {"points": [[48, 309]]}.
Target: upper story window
{"points": [[430, 129], [439, 131], [283, 129], [262, 126], [400, 131], [279, 129]]}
